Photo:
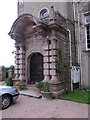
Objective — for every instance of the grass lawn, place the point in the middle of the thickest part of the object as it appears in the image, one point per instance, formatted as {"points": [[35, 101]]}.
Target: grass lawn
{"points": [[77, 96]]}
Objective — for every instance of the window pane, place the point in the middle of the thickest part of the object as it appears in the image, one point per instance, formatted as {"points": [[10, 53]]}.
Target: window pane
{"points": [[88, 36], [87, 19], [88, 32], [88, 46], [88, 41], [44, 13], [87, 28]]}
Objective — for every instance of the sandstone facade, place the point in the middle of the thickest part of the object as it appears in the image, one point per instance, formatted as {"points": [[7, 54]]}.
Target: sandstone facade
{"points": [[40, 30]]}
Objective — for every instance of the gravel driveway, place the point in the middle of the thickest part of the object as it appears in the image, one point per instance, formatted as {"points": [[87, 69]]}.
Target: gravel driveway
{"points": [[28, 107]]}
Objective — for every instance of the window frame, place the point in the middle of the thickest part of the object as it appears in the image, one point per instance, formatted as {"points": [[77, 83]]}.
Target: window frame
{"points": [[41, 12], [86, 24]]}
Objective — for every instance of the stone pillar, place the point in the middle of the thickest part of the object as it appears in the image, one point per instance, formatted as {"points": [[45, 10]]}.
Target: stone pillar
{"points": [[46, 60], [53, 54], [17, 63], [11, 71], [22, 62], [3, 73], [52, 14]]}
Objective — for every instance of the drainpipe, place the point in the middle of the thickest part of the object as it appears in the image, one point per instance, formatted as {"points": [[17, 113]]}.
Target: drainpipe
{"points": [[75, 22], [70, 57], [79, 59], [79, 42]]}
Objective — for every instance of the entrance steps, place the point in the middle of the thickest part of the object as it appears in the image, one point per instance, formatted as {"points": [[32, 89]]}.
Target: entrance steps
{"points": [[30, 91]]}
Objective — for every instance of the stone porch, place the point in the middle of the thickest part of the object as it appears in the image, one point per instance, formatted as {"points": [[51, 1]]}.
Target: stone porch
{"points": [[42, 37]]}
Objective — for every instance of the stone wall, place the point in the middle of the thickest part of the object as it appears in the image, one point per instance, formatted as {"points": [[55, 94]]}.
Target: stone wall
{"points": [[65, 8], [82, 9]]}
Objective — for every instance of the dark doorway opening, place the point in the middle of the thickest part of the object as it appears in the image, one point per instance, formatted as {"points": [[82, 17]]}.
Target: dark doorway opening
{"points": [[36, 68]]}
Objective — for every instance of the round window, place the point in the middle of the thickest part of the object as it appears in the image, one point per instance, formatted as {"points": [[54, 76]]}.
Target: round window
{"points": [[44, 13]]}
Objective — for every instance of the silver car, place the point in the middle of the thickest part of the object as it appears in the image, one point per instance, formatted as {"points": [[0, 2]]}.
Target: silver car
{"points": [[8, 95]]}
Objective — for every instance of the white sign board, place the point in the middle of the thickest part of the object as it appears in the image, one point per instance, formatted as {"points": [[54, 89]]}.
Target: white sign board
{"points": [[75, 74]]}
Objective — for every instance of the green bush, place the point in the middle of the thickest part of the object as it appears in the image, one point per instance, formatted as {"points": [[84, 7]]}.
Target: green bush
{"points": [[9, 82], [46, 87], [21, 84], [7, 68], [38, 85]]}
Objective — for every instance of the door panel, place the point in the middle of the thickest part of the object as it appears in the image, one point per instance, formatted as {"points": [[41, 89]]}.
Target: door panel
{"points": [[36, 68]]}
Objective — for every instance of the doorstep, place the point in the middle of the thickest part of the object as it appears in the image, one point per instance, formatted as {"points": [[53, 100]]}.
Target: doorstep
{"points": [[30, 93]]}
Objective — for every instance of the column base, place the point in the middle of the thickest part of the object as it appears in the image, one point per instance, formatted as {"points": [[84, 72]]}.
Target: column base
{"points": [[46, 79], [54, 80], [16, 77], [22, 77], [58, 93]]}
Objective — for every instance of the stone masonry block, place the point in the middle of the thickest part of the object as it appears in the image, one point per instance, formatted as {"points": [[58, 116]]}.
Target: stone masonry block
{"points": [[53, 52], [16, 71], [45, 59], [16, 61], [46, 47], [53, 45], [52, 58], [46, 53], [21, 56], [17, 57], [21, 71], [22, 66], [21, 61], [46, 65], [16, 66], [46, 72], [52, 65], [53, 72], [21, 51]]}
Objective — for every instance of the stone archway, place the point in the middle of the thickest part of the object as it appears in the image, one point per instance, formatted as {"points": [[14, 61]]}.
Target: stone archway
{"points": [[36, 68]]}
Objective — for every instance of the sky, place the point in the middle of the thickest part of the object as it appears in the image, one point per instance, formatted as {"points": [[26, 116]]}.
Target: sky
{"points": [[8, 14]]}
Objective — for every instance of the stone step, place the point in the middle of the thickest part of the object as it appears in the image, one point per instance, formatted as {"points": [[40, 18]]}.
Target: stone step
{"points": [[31, 87], [30, 93]]}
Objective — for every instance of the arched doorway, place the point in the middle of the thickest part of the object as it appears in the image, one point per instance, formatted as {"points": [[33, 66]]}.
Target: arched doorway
{"points": [[36, 68]]}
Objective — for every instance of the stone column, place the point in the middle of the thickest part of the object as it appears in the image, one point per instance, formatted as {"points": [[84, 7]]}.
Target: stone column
{"points": [[46, 60], [3, 73], [22, 62], [53, 54], [17, 63], [11, 71]]}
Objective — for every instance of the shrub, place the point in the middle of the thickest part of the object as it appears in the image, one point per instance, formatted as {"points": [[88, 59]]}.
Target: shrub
{"points": [[21, 84], [38, 85], [9, 82], [46, 87], [7, 68]]}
